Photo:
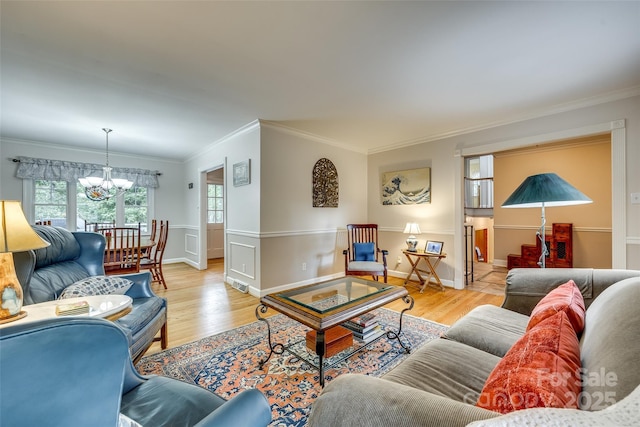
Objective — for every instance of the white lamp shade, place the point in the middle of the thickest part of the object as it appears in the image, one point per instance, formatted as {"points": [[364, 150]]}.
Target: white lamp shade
{"points": [[91, 181], [16, 235], [412, 228], [122, 183]]}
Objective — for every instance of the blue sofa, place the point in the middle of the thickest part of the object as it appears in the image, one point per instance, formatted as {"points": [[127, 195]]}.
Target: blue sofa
{"points": [[73, 256], [78, 372]]}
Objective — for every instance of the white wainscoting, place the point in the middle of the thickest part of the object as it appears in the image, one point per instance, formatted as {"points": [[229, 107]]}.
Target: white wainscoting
{"points": [[242, 259]]}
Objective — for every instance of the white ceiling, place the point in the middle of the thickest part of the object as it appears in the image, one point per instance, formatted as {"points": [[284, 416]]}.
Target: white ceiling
{"points": [[171, 77]]}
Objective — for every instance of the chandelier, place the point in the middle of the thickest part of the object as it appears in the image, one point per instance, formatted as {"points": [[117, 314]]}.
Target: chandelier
{"points": [[101, 188]]}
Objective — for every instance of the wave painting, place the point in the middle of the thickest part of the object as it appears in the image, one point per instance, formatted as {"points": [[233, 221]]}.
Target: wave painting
{"points": [[407, 187]]}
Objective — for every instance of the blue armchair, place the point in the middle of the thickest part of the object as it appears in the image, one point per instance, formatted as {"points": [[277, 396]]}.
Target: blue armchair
{"points": [[73, 256], [78, 372]]}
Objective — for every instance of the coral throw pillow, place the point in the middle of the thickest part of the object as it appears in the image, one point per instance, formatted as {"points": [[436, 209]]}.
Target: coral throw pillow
{"points": [[542, 369], [566, 298]]}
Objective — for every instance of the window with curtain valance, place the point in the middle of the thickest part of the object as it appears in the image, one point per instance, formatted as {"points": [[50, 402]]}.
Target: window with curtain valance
{"points": [[60, 170]]}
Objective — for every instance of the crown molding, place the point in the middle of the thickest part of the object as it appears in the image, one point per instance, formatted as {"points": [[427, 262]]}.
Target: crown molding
{"points": [[310, 136], [560, 108], [77, 148], [242, 130]]}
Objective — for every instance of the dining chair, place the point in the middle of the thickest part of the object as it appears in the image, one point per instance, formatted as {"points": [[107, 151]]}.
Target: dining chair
{"points": [[122, 249], [145, 252], [362, 256], [95, 226], [154, 262]]}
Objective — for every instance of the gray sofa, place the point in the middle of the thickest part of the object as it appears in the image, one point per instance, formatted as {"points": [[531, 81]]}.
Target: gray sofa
{"points": [[73, 256], [440, 383]]}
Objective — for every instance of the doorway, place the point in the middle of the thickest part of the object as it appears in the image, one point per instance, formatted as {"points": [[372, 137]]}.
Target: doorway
{"points": [[215, 213]]}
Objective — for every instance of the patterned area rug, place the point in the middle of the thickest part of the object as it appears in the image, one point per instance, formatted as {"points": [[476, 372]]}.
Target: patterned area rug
{"points": [[228, 363]]}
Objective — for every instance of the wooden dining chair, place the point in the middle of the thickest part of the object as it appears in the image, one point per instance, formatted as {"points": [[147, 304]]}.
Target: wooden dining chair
{"points": [[145, 252], [363, 257], [154, 262], [95, 226], [122, 249]]}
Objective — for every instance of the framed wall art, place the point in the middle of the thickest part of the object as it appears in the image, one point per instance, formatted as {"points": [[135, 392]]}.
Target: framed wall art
{"points": [[433, 247], [325, 190], [406, 187], [242, 173]]}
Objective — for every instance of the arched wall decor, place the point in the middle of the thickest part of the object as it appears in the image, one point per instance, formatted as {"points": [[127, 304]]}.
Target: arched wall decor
{"points": [[325, 184]]}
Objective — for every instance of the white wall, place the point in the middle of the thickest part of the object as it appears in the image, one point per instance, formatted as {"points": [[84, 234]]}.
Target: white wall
{"points": [[271, 226], [242, 204]]}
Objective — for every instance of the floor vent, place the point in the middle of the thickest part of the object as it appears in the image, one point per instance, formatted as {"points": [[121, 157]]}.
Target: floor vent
{"points": [[237, 284]]}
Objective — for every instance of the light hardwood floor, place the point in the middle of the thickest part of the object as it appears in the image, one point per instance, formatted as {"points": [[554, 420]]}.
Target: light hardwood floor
{"points": [[201, 304]]}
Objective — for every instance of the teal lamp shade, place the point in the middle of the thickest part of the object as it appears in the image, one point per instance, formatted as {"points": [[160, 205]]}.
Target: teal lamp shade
{"points": [[544, 190]]}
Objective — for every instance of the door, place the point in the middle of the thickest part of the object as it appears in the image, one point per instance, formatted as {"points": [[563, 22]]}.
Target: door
{"points": [[481, 245], [215, 240], [215, 214]]}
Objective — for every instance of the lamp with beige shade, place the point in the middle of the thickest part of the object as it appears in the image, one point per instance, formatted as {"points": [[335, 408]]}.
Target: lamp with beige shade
{"points": [[16, 235]]}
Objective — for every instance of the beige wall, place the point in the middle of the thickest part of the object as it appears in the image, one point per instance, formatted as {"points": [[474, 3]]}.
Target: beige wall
{"points": [[586, 164], [300, 243], [435, 219]]}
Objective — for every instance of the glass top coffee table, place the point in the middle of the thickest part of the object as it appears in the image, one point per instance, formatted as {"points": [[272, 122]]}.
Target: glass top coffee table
{"points": [[323, 305]]}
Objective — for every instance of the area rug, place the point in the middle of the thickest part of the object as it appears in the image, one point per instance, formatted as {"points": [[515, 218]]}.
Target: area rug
{"points": [[228, 363]]}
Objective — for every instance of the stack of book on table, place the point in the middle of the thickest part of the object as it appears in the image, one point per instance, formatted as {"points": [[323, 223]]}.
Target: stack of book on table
{"points": [[73, 309], [365, 328]]}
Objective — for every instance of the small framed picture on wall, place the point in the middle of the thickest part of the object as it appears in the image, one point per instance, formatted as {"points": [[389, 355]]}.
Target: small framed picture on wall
{"points": [[242, 173]]}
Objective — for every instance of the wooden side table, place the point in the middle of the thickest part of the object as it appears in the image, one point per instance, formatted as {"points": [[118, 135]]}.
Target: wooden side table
{"points": [[431, 277]]}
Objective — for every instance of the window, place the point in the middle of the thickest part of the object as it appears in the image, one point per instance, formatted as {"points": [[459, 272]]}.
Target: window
{"points": [[479, 182], [90, 211], [215, 203], [135, 208], [50, 201]]}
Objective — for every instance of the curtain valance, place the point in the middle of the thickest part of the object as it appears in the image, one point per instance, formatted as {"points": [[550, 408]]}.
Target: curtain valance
{"points": [[60, 170]]}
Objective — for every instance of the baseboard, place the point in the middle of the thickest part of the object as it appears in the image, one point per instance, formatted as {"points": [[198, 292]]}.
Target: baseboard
{"points": [[179, 260], [500, 262]]}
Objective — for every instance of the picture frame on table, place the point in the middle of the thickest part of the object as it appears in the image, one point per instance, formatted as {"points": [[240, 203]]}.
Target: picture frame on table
{"points": [[242, 173], [433, 247]]}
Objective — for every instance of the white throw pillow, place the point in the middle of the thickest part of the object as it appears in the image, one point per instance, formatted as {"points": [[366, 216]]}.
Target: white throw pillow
{"points": [[97, 285], [125, 421]]}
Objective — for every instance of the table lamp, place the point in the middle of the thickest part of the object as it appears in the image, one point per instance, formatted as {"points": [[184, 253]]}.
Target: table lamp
{"points": [[16, 235], [412, 228], [545, 189]]}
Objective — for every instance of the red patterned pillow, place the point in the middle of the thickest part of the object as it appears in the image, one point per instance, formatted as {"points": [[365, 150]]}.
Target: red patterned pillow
{"points": [[567, 298], [542, 369]]}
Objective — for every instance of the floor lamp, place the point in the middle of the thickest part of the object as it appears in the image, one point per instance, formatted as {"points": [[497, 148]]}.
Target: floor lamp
{"points": [[544, 190]]}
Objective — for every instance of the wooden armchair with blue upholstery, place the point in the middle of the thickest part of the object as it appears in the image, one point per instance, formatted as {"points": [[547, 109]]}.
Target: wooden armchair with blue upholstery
{"points": [[363, 257], [78, 372]]}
